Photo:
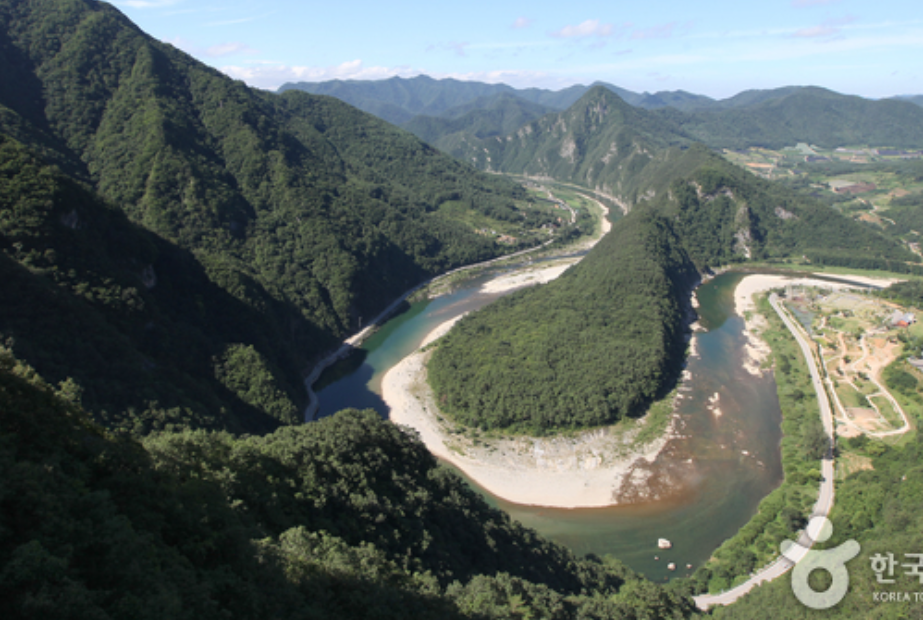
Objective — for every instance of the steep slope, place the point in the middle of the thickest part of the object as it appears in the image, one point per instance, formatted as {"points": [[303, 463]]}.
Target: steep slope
{"points": [[305, 210], [725, 214], [149, 336], [345, 518], [600, 142], [481, 118]]}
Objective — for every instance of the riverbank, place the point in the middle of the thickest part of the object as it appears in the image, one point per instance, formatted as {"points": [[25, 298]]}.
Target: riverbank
{"points": [[520, 278], [581, 470], [766, 530]]}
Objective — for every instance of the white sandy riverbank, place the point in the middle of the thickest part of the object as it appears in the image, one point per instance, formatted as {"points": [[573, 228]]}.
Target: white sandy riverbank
{"points": [[583, 470], [520, 278]]}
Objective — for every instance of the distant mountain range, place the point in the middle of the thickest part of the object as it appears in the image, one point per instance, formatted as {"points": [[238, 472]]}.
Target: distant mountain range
{"points": [[397, 100]]}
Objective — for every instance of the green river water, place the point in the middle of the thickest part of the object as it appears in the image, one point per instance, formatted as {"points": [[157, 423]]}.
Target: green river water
{"points": [[710, 478]]}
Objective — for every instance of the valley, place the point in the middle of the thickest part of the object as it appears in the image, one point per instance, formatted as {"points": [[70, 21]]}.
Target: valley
{"points": [[540, 288]]}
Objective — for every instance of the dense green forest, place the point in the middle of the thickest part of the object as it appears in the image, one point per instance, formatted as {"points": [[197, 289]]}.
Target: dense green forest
{"points": [[725, 214], [345, 518], [809, 114], [595, 345], [496, 117], [142, 328], [265, 226], [175, 249]]}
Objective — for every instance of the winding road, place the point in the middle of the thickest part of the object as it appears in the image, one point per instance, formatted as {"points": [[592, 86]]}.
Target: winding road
{"points": [[824, 504]]}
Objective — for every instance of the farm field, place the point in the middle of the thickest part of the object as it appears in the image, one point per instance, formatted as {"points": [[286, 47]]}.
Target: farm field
{"points": [[879, 186]]}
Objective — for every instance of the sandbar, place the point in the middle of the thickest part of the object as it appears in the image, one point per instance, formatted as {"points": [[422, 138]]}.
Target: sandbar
{"points": [[576, 471]]}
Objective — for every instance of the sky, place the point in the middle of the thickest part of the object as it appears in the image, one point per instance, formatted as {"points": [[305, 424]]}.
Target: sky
{"points": [[711, 47]]}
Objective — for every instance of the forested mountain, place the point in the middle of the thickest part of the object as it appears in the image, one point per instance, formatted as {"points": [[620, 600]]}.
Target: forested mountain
{"points": [[348, 517], [481, 118], [306, 212], [754, 97], [610, 334], [397, 100], [141, 331], [811, 115], [600, 142], [772, 118], [917, 99]]}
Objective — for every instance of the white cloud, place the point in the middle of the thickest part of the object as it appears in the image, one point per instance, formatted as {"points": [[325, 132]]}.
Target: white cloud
{"points": [[227, 49], [589, 28], [663, 31], [827, 29], [270, 75], [522, 22], [214, 51]]}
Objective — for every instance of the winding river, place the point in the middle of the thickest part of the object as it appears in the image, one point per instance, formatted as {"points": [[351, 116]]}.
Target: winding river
{"points": [[709, 478]]}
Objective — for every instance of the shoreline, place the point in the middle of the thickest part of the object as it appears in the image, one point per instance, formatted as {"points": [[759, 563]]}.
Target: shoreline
{"points": [[589, 469], [585, 470]]}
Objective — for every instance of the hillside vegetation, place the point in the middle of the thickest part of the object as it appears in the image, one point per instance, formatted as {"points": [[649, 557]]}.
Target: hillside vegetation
{"points": [[602, 341], [146, 334], [594, 346], [345, 518], [295, 216], [811, 115]]}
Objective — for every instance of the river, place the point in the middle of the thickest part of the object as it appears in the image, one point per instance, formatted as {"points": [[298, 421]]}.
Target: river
{"points": [[710, 478]]}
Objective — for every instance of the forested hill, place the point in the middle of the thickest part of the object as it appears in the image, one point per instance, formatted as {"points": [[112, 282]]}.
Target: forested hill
{"points": [[602, 341], [497, 116], [309, 214], [594, 346], [398, 100], [637, 157], [345, 518], [768, 118], [600, 142], [812, 115]]}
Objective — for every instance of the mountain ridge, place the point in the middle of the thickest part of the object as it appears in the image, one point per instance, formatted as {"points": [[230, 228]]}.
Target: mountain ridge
{"points": [[308, 211]]}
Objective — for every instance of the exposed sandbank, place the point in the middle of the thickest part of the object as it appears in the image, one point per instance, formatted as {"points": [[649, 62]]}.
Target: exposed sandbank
{"points": [[531, 277], [582, 470]]}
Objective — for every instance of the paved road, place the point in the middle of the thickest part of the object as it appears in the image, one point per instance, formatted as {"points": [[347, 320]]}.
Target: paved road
{"points": [[824, 504]]}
